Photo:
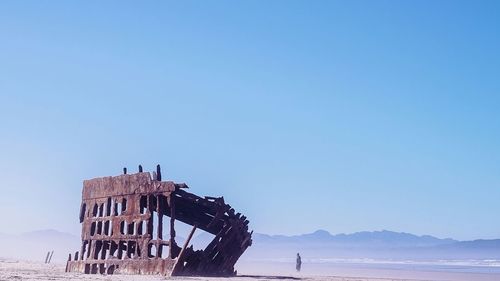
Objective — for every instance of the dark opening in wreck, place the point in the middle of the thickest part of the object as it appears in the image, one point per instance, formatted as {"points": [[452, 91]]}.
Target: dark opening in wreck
{"points": [[123, 229]]}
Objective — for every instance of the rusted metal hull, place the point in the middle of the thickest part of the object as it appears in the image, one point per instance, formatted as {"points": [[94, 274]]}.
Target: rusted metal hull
{"points": [[138, 266], [124, 229]]}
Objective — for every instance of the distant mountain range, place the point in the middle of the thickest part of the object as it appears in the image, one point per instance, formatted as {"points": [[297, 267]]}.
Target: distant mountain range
{"points": [[376, 244], [319, 244], [359, 239]]}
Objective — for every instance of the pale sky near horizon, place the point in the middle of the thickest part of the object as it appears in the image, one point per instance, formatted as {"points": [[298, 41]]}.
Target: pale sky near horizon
{"points": [[344, 116]]}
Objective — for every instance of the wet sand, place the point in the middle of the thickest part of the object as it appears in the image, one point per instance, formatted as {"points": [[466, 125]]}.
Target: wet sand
{"points": [[25, 270]]}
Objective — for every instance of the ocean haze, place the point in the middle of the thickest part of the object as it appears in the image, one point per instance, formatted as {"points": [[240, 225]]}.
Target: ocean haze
{"points": [[318, 245], [375, 245], [34, 245]]}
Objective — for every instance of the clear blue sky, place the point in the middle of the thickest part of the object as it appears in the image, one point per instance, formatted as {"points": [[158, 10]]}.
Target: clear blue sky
{"points": [[344, 116]]}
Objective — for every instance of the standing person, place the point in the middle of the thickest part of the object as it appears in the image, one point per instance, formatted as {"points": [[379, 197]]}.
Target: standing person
{"points": [[298, 265]]}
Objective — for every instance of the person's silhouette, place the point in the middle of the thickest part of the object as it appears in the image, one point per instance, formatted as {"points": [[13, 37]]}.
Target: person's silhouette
{"points": [[298, 265]]}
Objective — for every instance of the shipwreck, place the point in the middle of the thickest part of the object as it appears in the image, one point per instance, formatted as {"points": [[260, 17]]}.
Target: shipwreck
{"points": [[123, 229]]}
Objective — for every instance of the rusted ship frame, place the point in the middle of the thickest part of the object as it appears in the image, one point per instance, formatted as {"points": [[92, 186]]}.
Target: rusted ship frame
{"points": [[122, 229]]}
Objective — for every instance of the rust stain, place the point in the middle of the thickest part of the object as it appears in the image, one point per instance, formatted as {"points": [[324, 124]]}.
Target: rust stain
{"points": [[123, 225]]}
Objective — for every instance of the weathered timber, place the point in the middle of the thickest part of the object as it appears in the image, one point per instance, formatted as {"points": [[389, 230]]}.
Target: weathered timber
{"points": [[50, 257], [47, 257], [122, 228]]}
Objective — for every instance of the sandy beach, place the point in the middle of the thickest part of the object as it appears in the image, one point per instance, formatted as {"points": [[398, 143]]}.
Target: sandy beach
{"points": [[26, 270]]}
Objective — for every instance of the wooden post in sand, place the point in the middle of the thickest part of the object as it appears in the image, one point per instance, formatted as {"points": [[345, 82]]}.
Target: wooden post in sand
{"points": [[50, 258], [67, 263]]}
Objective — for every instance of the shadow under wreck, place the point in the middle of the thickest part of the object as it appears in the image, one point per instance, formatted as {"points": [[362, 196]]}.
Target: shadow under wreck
{"points": [[123, 229]]}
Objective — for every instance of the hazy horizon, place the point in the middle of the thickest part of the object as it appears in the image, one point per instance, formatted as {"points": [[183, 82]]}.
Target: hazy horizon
{"points": [[186, 229], [344, 116], [383, 247]]}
